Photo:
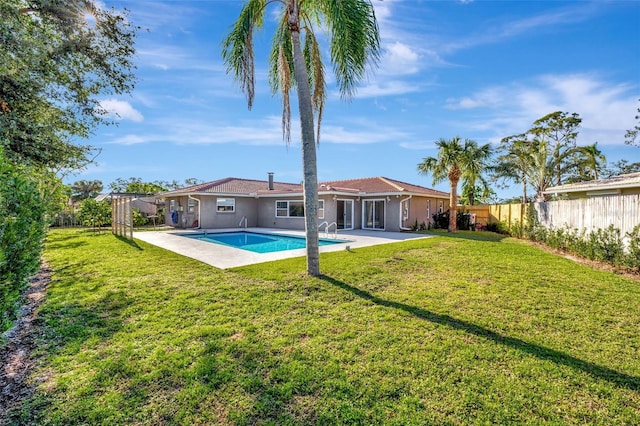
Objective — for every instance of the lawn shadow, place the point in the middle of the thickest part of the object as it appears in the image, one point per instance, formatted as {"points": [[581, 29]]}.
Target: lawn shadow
{"points": [[490, 237], [597, 371], [132, 243]]}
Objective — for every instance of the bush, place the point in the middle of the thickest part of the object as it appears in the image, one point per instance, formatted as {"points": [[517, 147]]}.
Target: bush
{"points": [[632, 259], [441, 220], [22, 231]]}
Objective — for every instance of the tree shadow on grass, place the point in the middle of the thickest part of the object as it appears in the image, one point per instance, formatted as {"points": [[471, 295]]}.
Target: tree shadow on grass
{"points": [[596, 371], [132, 243], [490, 237]]}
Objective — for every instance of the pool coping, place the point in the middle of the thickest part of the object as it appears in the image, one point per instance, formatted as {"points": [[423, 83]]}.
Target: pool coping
{"points": [[224, 257]]}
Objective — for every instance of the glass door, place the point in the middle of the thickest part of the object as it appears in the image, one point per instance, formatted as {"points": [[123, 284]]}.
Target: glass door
{"points": [[373, 214], [344, 214]]}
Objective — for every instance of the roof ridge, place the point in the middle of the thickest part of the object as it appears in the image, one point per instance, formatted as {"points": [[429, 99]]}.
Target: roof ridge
{"points": [[390, 182]]}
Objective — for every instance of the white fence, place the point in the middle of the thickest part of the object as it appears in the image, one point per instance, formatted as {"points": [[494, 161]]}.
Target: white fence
{"points": [[621, 211]]}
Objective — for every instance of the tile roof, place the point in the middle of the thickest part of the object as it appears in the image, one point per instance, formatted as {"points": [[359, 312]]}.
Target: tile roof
{"points": [[374, 185], [380, 184], [237, 186], [631, 180]]}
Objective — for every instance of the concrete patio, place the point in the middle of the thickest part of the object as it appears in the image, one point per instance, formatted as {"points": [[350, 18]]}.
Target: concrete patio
{"points": [[224, 257]]}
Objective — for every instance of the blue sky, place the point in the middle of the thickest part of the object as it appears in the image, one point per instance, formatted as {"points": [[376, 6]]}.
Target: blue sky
{"points": [[477, 69]]}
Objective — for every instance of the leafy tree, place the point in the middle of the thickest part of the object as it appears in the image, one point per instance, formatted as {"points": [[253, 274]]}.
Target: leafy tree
{"points": [[454, 159], [94, 213], [631, 136], [54, 62], [138, 186], [621, 167], [83, 189], [558, 130], [354, 41], [513, 161]]}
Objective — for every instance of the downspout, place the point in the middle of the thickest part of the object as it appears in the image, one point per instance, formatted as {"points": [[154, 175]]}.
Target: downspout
{"points": [[403, 228], [196, 199]]}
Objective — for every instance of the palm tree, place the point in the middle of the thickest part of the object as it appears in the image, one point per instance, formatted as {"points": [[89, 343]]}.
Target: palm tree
{"points": [[354, 42], [593, 161], [477, 165], [453, 160], [514, 161]]}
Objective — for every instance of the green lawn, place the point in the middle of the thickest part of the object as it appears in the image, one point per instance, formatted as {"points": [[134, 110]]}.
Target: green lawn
{"points": [[472, 328]]}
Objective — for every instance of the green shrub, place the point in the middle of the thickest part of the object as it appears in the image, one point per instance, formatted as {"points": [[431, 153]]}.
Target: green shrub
{"points": [[441, 220], [22, 231], [632, 259]]}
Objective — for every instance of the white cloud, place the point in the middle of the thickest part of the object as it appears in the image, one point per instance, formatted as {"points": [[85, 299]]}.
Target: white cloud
{"points": [[121, 110], [387, 88], [399, 59], [606, 108]]}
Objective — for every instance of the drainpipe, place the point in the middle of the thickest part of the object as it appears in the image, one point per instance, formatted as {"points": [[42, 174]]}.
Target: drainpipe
{"points": [[195, 199], [403, 228]]}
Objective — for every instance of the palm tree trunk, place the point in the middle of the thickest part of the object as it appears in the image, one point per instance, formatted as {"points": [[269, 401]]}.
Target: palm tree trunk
{"points": [[309, 166], [453, 205]]}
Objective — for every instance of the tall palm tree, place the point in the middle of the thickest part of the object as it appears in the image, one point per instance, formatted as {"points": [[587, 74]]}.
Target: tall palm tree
{"points": [[452, 161], [593, 161], [477, 165], [354, 42]]}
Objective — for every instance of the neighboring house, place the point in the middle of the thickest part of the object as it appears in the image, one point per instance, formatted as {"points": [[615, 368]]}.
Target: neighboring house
{"points": [[146, 203], [376, 203], [616, 185]]}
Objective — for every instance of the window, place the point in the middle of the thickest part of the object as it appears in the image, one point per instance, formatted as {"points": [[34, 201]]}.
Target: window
{"points": [[428, 209], [191, 205], [440, 206], [226, 205], [295, 208], [282, 208], [172, 205]]}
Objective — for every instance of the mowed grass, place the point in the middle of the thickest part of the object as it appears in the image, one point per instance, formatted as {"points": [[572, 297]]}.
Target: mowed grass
{"points": [[465, 329]]}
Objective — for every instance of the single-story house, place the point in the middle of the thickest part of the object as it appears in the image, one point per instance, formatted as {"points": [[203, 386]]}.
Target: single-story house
{"points": [[616, 185], [376, 203]]}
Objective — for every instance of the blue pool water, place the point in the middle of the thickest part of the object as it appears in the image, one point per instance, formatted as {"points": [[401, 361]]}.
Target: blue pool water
{"points": [[258, 243]]}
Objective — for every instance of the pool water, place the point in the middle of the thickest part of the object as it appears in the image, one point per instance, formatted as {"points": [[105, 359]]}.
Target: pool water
{"points": [[258, 243]]}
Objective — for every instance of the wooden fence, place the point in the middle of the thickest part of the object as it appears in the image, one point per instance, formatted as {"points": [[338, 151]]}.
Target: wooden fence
{"points": [[590, 214]]}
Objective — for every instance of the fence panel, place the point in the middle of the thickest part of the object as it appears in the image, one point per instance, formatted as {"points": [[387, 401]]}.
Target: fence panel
{"points": [[621, 211]]}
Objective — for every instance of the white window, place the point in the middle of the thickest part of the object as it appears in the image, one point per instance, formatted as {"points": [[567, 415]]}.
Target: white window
{"points": [[295, 208], [191, 205], [226, 205], [172, 205], [291, 208], [373, 214], [440, 206], [428, 209], [282, 208]]}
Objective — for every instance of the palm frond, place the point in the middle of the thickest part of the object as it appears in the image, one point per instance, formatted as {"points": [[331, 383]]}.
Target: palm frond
{"points": [[315, 68], [355, 41], [237, 47]]}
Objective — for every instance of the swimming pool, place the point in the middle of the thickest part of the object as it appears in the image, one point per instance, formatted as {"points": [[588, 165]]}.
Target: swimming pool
{"points": [[258, 243]]}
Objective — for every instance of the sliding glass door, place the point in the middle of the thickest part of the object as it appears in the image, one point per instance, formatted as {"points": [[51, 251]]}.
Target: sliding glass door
{"points": [[373, 214]]}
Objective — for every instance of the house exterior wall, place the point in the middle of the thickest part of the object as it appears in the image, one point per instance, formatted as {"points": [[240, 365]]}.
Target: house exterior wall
{"points": [[210, 217], [261, 212], [266, 214]]}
